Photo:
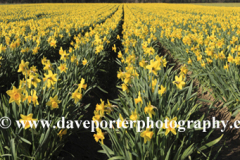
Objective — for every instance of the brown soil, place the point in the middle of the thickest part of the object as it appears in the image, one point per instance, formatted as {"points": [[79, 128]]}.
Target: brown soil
{"points": [[231, 140]]}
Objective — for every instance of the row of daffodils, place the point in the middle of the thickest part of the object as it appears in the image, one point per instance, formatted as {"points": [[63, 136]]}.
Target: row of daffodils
{"points": [[206, 40], [56, 88], [150, 90], [34, 38]]}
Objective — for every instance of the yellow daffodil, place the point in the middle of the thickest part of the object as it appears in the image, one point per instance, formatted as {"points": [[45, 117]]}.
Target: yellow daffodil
{"points": [[63, 68], [50, 78], [61, 133], [138, 99], [27, 120], [147, 135], [76, 95], [184, 69], [23, 67], [118, 37], [170, 125], [226, 66], [149, 110], [125, 87], [15, 95], [108, 107], [120, 54], [153, 67], [134, 115], [162, 90], [179, 82], [143, 63], [33, 80], [53, 102], [99, 135], [230, 58], [53, 43], [97, 116], [84, 62], [82, 84], [154, 83], [47, 65], [189, 61], [114, 48], [100, 107]]}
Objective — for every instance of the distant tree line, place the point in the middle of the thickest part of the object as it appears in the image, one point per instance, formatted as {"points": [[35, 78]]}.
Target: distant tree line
{"points": [[115, 1]]}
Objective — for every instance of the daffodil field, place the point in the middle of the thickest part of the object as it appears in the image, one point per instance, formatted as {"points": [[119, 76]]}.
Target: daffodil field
{"points": [[54, 56]]}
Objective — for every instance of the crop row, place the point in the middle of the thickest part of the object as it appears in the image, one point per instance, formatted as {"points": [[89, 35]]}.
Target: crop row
{"points": [[56, 91], [206, 40], [150, 88]]}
